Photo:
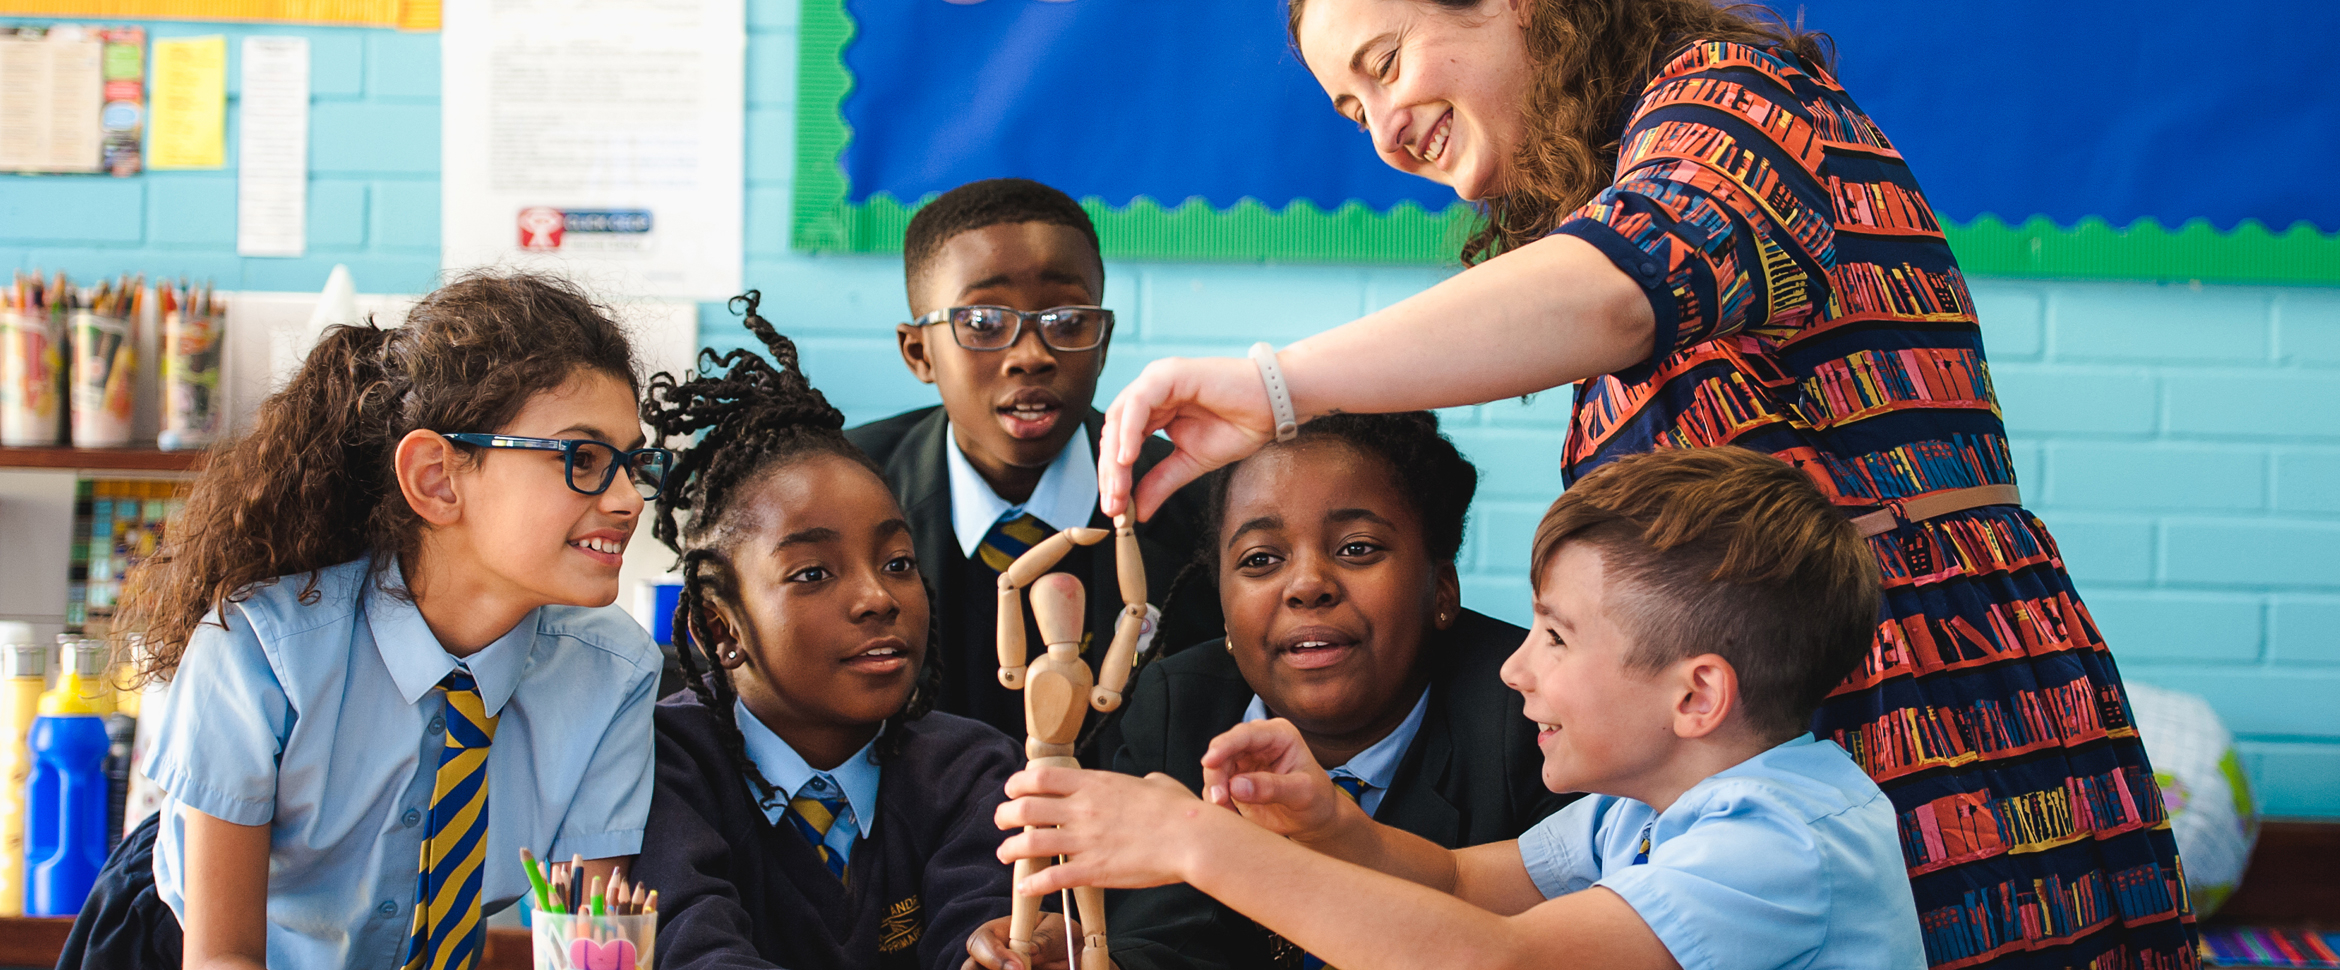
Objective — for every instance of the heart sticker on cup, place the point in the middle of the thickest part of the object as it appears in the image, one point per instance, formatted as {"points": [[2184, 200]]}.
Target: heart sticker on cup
{"points": [[613, 955]]}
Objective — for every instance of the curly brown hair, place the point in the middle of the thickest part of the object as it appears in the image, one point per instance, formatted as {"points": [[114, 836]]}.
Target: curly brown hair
{"points": [[1592, 58], [313, 485]]}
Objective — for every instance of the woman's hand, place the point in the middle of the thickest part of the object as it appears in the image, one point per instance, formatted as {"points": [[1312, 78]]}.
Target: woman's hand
{"points": [[1119, 832], [1264, 770], [988, 949], [1215, 410]]}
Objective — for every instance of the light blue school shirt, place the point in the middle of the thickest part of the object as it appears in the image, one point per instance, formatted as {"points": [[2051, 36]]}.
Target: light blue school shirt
{"points": [[1377, 765], [1064, 498], [1787, 859], [320, 721], [788, 772]]}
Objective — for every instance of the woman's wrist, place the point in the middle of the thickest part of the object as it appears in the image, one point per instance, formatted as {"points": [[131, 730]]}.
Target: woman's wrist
{"points": [[1297, 361]]}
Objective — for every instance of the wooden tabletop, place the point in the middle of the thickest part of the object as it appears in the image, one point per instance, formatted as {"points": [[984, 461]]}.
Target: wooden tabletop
{"points": [[30, 941]]}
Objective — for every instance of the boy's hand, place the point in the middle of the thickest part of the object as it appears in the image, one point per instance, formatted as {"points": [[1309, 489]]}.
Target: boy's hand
{"points": [[1119, 832], [1263, 769], [987, 948]]}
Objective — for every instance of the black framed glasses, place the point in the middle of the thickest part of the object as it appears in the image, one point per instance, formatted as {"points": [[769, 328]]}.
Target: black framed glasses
{"points": [[1063, 329], [590, 465]]}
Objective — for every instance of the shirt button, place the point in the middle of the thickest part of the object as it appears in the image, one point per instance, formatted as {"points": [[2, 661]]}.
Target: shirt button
{"points": [[411, 817], [389, 907], [1649, 269], [437, 725]]}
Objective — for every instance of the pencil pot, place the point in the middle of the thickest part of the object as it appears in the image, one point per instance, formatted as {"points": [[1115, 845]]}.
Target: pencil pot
{"points": [[32, 358], [190, 379], [574, 941], [104, 371]]}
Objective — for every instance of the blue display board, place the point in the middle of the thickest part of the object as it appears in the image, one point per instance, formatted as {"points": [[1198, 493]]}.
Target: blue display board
{"points": [[2087, 134]]}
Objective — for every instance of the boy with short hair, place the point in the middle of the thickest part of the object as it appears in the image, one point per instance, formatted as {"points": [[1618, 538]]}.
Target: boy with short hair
{"points": [[1692, 608], [1004, 277]]}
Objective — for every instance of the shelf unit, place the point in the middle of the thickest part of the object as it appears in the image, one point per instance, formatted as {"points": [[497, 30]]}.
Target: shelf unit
{"points": [[102, 459]]}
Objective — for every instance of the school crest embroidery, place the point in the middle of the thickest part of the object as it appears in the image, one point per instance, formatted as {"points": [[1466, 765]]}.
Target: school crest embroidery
{"points": [[900, 928]]}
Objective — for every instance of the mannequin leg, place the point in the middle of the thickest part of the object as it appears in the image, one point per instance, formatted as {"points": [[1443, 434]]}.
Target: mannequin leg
{"points": [[1091, 901]]}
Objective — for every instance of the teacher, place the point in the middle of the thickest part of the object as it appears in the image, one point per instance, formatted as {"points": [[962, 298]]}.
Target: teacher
{"points": [[1689, 220]]}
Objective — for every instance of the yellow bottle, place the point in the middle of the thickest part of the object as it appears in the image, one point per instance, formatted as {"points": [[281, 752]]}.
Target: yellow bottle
{"points": [[24, 669]]}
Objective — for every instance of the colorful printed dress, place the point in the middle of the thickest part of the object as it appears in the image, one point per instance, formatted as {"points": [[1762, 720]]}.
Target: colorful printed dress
{"points": [[1808, 306]]}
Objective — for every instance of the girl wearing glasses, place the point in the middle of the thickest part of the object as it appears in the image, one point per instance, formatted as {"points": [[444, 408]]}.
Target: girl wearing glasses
{"points": [[385, 619], [810, 812]]}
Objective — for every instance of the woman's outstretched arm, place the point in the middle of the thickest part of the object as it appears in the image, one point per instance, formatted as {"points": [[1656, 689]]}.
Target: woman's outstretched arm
{"points": [[1549, 313]]}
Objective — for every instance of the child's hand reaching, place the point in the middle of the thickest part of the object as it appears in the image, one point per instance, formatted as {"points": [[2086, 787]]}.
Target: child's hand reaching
{"points": [[1264, 770], [1120, 832], [988, 949]]}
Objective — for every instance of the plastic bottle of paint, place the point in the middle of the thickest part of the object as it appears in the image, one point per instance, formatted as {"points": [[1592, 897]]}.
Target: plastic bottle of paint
{"points": [[65, 800], [24, 671]]}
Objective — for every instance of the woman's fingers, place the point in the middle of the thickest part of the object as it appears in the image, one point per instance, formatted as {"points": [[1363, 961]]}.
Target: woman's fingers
{"points": [[1046, 780], [1215, 410]]}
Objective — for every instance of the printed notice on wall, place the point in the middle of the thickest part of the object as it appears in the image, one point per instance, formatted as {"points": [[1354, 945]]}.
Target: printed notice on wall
{"points": [[272, 148], [190, 103], [50, 92], [603, 141]]}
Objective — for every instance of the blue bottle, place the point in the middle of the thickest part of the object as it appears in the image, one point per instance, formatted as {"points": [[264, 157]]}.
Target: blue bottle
{"points": [[65, 841]]}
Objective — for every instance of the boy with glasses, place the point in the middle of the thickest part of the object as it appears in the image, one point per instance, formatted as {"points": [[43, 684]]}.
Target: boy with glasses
{"points": [[1004, 280]]}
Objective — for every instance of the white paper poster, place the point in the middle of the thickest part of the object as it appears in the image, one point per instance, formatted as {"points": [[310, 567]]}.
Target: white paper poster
{"points": [[272, 148], [599, 138]]}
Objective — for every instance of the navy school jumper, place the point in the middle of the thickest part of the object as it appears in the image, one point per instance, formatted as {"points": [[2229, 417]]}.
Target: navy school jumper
{"points": [[734, 890]]}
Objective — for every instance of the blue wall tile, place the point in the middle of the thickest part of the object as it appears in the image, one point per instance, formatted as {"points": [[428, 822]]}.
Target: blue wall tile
{"points": [[2251, 552], [2115, 475], [405, 216], [373, 138], [2306, 630], [2263, 403], [70, 209], [2307, 325], [402, 65], [2083, 400], [337, 214], [2159, 322], [2161, 626], [190, 209]]}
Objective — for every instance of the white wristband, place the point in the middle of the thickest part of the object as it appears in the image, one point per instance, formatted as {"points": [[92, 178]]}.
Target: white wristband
{"points": [[1279, 394]]}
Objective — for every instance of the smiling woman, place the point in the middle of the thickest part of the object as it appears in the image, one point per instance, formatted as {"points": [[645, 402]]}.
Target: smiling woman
{"points": [[1692, 221]]}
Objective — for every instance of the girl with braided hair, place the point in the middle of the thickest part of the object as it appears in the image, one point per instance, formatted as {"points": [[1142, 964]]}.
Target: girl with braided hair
{"points": [[810, 812], [385, 616]]}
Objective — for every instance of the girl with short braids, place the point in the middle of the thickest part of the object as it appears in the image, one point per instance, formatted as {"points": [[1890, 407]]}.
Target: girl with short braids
{"points": [[810, 811]]}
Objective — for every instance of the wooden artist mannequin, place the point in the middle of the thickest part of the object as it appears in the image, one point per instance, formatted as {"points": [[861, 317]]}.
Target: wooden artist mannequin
{"points": [[1056, 685]]}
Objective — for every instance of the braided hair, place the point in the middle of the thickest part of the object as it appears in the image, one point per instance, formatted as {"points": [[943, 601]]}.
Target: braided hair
{"points": [[752, 418]]}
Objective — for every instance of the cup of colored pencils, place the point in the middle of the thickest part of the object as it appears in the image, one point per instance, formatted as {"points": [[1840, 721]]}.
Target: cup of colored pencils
{"points": [[582, 922], [104, 324], [32, 361]]}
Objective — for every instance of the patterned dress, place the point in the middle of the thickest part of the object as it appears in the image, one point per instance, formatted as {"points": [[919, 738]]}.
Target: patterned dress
{"points": [[1808, 307]]}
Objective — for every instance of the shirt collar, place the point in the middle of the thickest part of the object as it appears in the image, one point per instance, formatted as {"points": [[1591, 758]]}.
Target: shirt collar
{"points": [[417, 661], [1064, 499], [1376, 765], [787, 770]]}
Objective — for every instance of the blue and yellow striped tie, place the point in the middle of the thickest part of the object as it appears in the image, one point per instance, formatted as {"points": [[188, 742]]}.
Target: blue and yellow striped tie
{"points": [[1009, 538], [1354, 787], [447, 932], [823, 817]]}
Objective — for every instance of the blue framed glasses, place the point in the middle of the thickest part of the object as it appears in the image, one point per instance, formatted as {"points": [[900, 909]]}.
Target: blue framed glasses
{"points": [[590, 465]]}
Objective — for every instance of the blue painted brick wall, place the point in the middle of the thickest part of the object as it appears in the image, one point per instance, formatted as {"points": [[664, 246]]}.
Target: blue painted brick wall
{"points": [[2179, 440], [373, 180]]}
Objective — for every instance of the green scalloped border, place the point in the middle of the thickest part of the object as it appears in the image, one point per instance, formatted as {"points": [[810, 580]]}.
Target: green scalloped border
{"points": [[822, 221]]}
